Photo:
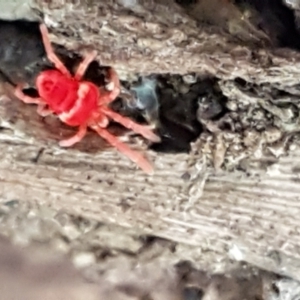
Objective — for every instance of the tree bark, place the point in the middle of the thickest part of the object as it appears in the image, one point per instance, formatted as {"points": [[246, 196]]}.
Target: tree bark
{"points": [[159, 37], [210, 216]]}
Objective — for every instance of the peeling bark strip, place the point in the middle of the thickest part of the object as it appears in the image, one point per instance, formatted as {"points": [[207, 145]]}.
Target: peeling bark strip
{"points": [[158, 37], [155, 37]]}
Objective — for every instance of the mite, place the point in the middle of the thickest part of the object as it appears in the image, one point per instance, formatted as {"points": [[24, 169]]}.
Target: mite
{"points": [[82, 104]]}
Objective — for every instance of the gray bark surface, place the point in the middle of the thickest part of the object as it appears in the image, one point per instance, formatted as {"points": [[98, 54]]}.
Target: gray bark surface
{"points": [[210, 216]]}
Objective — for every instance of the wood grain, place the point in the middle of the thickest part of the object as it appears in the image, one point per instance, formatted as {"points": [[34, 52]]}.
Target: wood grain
{"points": [[211, 217]]}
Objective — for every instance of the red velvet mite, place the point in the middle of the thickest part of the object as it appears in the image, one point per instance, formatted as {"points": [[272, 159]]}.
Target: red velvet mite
{"points": [[82, 104]]}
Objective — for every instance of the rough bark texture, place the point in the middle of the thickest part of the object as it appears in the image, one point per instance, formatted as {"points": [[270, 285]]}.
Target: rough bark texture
{"points": [[156, 37], [206, 216], [209, 216]]}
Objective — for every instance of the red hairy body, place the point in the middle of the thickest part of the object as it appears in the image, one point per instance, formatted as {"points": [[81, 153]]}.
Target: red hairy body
{"points": [[62, 95], [82, 104]]}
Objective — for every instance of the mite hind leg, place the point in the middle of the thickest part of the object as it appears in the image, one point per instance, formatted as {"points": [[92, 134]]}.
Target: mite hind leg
{"points": [[134, 156], [145, 131]]}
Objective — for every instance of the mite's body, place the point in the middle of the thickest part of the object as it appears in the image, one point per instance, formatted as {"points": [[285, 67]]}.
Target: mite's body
{"points": [[81, 103], [74, 102]]}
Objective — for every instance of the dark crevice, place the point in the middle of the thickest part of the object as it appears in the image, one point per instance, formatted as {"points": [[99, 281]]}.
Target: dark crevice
{"points": [[271, 17], [277, 20]]}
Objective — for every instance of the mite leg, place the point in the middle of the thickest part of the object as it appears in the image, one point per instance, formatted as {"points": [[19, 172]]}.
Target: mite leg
{"points": [[74, 139], [50, 52], [84, 65], [112, 89], [43, 111], [26, 99], [126, 122], [136, 157]]}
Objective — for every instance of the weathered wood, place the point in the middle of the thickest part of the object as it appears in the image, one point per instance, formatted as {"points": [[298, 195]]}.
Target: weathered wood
{"points": [[209, 215], [157, 37]]}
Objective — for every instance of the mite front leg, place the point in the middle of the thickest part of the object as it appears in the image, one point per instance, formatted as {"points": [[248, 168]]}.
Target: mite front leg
{"points": [[26, 99], [126, 122], [84, 65], [74, 139], [50, 52], [112, 89]]}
